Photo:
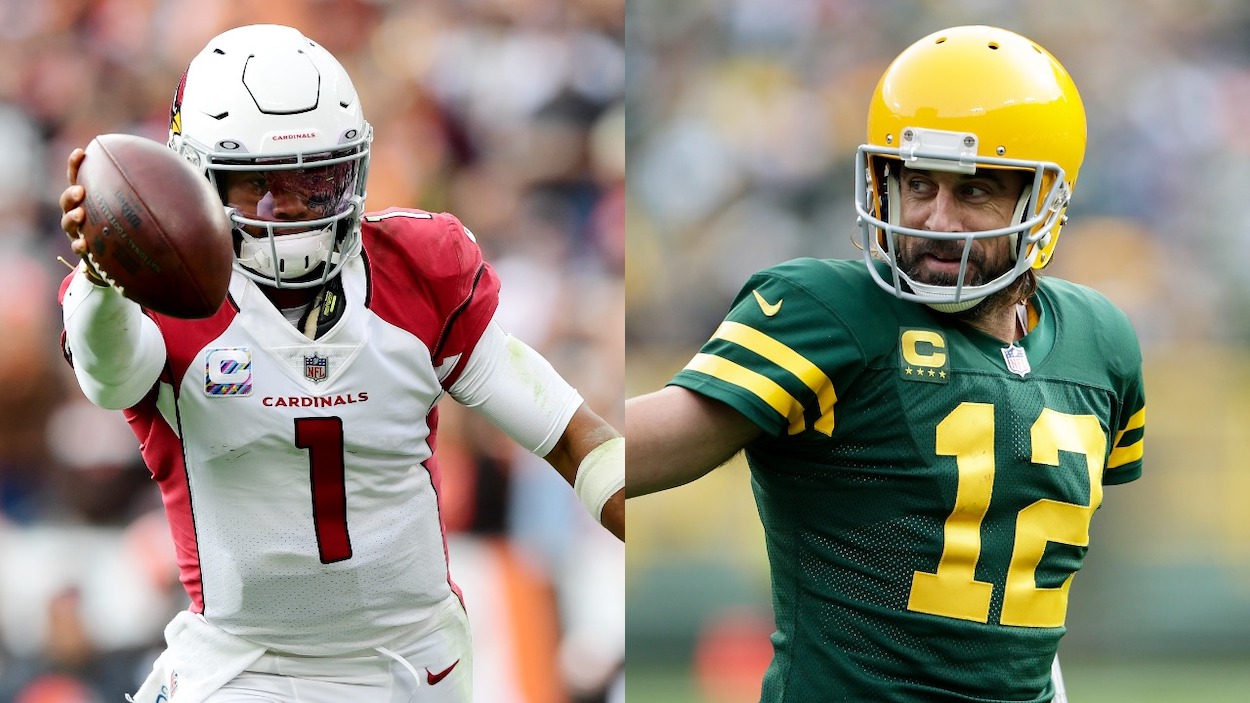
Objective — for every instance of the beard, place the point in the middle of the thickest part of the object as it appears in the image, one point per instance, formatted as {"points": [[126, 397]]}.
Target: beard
{"points": [[980, 270]]}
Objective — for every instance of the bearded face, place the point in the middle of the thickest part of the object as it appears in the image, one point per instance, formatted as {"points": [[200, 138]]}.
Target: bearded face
{"points": [[944, 202], [936, 262]]}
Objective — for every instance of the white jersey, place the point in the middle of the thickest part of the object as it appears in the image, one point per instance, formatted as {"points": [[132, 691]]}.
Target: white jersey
{"points": [[298, 476]]}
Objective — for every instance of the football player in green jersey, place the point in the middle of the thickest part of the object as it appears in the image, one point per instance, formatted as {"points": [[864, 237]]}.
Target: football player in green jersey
{"points": [[928, 434]]}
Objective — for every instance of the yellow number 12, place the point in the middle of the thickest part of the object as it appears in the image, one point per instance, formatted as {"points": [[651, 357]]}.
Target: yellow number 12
{"points": [[967, 434]]}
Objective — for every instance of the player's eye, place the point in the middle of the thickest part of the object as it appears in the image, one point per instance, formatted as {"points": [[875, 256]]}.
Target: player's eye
{"points": [[975, 190], [920, 185], [320, 202]]}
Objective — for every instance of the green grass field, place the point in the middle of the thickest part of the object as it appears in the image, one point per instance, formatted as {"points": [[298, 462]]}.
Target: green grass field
{"points": [[1162, 681]]}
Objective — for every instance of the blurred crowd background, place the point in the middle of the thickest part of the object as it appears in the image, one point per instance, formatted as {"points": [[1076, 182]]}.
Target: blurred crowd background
{"points": [[507, 113], [743, 117]]}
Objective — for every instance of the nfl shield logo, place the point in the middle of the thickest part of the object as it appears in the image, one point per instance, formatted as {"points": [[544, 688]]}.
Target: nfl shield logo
{"points": [[316, 368], [1017, 360]]}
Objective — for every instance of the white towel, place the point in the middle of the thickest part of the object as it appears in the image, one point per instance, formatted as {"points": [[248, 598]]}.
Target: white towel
{"points": [[1056, 675], [199, 659]]}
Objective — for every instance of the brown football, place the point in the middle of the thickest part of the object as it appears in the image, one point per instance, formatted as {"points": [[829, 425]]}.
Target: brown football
{"points": [[154, 228]]}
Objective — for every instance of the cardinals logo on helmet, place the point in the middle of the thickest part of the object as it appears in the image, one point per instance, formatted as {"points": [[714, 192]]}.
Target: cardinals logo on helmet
{"points": [[175, 108]]}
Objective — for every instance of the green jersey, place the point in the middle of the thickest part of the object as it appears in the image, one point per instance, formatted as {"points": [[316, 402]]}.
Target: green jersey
{"points": [[926, 490]]}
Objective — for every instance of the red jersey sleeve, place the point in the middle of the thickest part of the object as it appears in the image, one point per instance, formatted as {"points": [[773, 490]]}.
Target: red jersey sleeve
{"points": [[428, 277]]}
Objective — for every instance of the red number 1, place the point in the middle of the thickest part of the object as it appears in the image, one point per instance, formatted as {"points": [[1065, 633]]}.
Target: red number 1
{"points": [[323, 438]]}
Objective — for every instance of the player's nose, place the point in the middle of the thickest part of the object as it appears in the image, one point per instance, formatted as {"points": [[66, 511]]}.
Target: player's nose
{"points": [[288, 205], [943, 212]]}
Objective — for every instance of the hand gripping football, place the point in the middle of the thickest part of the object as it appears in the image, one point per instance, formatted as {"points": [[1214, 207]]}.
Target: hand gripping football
{"points": [[154, 227]]}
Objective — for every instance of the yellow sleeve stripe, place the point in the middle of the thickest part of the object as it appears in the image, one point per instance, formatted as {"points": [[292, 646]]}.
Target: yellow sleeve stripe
{"points": [[761, 386], [1136, 422], [810, 374], [1125, 455], [1133, 452]]}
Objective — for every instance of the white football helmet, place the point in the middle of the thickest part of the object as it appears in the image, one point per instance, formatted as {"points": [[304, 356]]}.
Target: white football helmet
{"points": [[265, 98]]}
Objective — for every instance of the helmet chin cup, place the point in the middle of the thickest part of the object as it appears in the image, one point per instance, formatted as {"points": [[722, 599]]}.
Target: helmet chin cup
{"points": [[940, 293], [955, 307], [284, 259]]}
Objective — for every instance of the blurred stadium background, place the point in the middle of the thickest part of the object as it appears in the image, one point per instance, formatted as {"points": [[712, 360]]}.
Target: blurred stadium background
{"points": [[509, 114], [742, 121]]}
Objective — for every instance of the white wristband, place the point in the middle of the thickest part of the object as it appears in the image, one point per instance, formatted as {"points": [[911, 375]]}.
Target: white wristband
{"points": [[600, 475]]}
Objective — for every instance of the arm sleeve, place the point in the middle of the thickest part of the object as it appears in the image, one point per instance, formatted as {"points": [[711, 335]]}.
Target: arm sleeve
{"points": [[1124, 463], [116, 350], [517, 390]]}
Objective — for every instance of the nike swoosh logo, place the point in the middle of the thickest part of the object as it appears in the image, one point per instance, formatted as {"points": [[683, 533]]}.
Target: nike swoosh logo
{"points": [[769, 309], [435, 678]]}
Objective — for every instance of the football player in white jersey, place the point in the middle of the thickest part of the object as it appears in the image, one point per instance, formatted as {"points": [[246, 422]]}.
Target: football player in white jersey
{"points": [[292, 433]]}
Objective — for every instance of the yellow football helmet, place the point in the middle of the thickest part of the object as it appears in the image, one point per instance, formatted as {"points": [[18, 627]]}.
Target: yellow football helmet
{"points": [[961, 99]]}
